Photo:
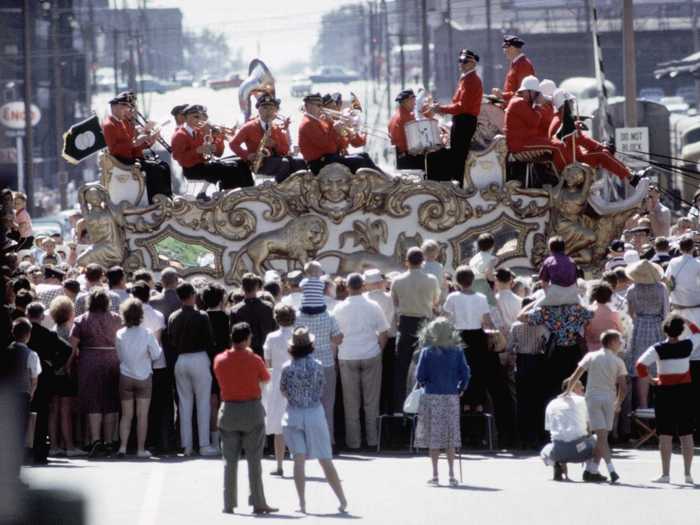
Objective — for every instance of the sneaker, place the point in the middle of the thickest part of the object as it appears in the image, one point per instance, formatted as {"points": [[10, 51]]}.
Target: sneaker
{"points": [[662, 479], [434, 482], [187, 452], [208, 452], [454, 482], [55, 452], [144, 454], [614, 476], [689, 480], [277, 472], [75, 453]]}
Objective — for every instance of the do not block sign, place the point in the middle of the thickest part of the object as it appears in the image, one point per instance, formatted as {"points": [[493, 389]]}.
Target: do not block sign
{"points": [[634, 142]]}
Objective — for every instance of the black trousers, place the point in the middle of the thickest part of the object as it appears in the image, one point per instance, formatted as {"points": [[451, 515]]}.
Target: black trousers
{"points": [[161, 414], [229, 174], [386, 396], [695, 375], [406, 344], [463, 128], [354, 162], [529, 380], [489, 376], [559, 365], [40, 405], [158, 176], [281, 167]]}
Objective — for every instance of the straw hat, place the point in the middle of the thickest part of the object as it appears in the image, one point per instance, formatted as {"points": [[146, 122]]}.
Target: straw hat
{"points": [[440, 332], [644, 272], [301, 337]]}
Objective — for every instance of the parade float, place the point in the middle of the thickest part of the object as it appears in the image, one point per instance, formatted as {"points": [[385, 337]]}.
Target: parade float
{"points": [[350, 222]]}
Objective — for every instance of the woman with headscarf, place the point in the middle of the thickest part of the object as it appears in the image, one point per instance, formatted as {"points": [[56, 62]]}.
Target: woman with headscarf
{"points": [[443, 373]]}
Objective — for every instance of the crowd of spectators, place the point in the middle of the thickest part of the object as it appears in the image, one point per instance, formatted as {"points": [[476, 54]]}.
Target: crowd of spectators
{"points": [[112, 351]]}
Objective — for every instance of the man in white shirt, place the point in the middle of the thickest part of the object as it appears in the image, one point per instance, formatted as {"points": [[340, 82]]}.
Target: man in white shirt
{"points": [[364, 328], [375, 286], [508, 304], [566, 419], [684, 274]]}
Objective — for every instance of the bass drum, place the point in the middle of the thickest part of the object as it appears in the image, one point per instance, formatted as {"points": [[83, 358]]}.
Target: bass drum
{"points": [[423, 136], [489, 124]]}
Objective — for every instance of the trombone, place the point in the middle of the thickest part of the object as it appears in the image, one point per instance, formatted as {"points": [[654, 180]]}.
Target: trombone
{"points": [[140, 119]]}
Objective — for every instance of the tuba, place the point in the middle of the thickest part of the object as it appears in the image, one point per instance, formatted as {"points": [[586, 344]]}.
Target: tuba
{"points": [[260, 80]]}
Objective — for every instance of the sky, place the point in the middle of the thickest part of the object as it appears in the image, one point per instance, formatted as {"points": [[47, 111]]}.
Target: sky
{"points": [[281, 30]]}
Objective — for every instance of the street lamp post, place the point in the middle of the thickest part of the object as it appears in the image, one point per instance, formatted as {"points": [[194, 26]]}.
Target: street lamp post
{"points": [[28, 132]]}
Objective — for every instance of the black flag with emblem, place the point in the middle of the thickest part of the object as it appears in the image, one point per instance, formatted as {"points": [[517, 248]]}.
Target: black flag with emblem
{"points": [[568, 123], [82, 140]]}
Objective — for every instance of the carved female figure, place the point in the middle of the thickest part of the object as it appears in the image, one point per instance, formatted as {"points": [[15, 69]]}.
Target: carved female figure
{"points": [[104, 223]]}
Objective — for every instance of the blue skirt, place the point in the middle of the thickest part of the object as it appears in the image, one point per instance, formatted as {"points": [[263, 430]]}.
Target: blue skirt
{"points": [[306, 432]]}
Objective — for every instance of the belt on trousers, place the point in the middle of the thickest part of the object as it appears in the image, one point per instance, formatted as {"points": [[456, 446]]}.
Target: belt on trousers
{"points": [[681, 307]]}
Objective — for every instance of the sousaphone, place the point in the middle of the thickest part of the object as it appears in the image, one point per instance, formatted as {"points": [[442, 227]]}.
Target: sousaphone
{"points": [[259, 81]]}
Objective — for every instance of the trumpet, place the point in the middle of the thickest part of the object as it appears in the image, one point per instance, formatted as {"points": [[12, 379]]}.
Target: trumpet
{"points": [[228, 133], [351, 123]]}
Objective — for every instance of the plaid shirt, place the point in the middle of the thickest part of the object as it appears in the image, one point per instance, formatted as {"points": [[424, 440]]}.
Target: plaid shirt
{"points": [[526, 339], [323, 326]]}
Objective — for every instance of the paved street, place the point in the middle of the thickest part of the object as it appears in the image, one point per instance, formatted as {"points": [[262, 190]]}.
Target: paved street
{"points": [[499, 489]]}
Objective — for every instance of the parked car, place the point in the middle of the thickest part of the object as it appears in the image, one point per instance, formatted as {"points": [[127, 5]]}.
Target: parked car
{"points": [[184, 78], [231, 81], [333, 74], [653, 94], [689, 94], [45, 226], [301, 86], [675, 104], [146, 83]]}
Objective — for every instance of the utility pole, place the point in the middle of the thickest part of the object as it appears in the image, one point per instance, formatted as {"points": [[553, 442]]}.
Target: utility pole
{"points": [[488, 67], [629, 64], [696, 39], [387, 45], [450, 45], [115, 59], [28, 132], [58, 104], [425, 43], [402, 60], [132, 63]]}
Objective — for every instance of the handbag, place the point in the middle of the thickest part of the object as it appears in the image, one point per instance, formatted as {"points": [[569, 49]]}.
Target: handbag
{"points": [[410, 406]]}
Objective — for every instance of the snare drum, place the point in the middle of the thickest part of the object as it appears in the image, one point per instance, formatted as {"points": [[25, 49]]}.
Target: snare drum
{"points": [[423, 136]]}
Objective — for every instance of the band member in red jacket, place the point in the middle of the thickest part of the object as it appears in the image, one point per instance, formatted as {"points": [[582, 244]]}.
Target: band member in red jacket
{"points": [[319, 140], [348, 137], [126, 143], [520, 67], [195, 145], [178, 115], [588, 150], [522, 121], [276, 159], [465, 109], [437, 162]]}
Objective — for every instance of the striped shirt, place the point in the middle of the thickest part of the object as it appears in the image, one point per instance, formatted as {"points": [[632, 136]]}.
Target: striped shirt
{"points": [[672, 360], [313, 293]]}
